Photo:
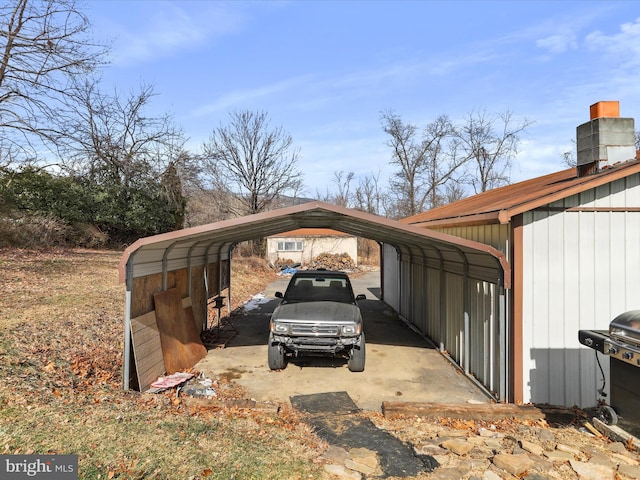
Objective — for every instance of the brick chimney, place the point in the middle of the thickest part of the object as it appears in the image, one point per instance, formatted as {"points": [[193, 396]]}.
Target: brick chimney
{"points": [[605, 140]]}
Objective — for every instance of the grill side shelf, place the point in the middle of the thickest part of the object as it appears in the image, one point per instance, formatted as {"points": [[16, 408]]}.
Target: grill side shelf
{"points": [[594, 339]]}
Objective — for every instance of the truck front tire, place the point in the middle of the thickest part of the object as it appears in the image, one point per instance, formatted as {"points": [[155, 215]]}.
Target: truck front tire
{"points": [[357, 357], [276, 355]]}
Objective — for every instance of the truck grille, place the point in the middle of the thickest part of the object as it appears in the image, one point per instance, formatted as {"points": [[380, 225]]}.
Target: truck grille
{"points": [[323, 330]]}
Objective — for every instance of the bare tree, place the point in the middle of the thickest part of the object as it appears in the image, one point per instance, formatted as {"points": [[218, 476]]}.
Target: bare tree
{"points": [[454, 191], [112, 135], [43, 45], [426, 161], [490, 143], [251, 161], [133, 161], [368, 196], [342, 180], [570, 157]]}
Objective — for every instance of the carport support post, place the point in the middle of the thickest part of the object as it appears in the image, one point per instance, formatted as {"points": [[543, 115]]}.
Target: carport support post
{"points": [[465, 295], [126, 364], [189, 280], [425, 281], [165, 263], [411, 315], [206, 284], [223, 281], [126, 357], [443, 303], [504, 335]]}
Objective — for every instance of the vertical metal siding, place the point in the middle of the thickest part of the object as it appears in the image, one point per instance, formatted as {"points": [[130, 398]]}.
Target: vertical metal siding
{"points": [[434, 302], [484, 335], [484, 362], [406, 294], [432, 326], [580, 270], [498, 236], [454, 317], [417, 300], [391, 274]]}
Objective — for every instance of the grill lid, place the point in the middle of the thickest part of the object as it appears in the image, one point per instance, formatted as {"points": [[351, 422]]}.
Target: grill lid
{"points": [[626, 327]]}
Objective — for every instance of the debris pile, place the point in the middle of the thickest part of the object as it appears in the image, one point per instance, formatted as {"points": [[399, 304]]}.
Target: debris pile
{"points": [[201, 387], [333, 261], [284, 263]]}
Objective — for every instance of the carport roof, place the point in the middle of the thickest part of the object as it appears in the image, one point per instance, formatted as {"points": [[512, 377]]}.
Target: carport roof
{"points": [[197, 245]]}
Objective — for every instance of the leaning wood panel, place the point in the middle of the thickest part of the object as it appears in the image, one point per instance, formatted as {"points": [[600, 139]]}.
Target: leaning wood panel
{"points": [[145, 329], [225, 268], [180, 281], [213, 277], [198, 295], [150, 368], [143, 290], [147, 350], [179, 336]]}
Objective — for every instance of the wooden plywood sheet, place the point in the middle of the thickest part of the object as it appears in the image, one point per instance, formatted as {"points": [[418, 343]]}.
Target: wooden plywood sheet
{"points": [[147, 350], [197, 296], [179, 335]]}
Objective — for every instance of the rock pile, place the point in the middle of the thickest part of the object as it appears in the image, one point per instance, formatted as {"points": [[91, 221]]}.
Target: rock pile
{"points": [[494, 452]]}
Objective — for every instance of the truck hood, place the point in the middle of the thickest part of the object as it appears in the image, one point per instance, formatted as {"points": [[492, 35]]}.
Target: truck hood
{"points": [[325, 312]]}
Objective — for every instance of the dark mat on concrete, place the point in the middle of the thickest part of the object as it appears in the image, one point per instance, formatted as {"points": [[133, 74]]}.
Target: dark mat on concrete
{"points": [[331, 416], [321, 403]]}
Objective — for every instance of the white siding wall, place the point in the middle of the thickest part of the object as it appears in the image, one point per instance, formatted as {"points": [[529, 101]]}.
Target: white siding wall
{"points": [[313, 246], [581, 269], [391, 275]]}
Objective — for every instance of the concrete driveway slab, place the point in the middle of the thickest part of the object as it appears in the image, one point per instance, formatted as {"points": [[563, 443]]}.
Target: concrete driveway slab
{"points": [[401, 365]]}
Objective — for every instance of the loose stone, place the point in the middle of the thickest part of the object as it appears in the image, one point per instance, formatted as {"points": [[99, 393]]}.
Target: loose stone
{"points": [[592, 471], [514, 464]]}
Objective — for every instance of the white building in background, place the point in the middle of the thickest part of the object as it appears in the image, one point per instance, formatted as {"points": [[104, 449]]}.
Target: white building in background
{"points": [[304, 244]]}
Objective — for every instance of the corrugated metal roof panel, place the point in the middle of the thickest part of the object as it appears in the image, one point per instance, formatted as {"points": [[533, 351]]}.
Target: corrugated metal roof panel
{"points": [[311, 232], [500, 204]]}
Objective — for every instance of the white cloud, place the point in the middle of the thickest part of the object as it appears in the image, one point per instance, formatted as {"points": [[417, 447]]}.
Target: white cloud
{"points": [[623, 47], [169, 29], [560, 34], [558, 43], [237, 98]]}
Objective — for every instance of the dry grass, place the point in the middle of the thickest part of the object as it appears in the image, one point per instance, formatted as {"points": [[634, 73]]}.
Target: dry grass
{"points": [[60, 360]]}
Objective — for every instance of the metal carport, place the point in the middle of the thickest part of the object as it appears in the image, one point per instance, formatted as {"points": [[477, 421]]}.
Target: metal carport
{"points": [[197, 262]]}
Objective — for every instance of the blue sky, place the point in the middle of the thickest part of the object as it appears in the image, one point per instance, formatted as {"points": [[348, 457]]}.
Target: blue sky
{"points": [[325, 70]]}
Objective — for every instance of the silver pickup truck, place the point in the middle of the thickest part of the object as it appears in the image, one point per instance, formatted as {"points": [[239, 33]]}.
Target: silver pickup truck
{"points": [[318, 315]]}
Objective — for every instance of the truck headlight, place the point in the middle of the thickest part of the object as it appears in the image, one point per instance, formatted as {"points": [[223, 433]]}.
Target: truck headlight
{"points": [[350, 329], [279, 327]]}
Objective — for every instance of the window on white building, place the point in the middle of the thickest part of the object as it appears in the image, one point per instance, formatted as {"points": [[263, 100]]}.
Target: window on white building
{"points": [[290, 246]]}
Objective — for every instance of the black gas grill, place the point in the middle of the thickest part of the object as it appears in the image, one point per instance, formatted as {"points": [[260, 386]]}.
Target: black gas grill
{"points": [[621, 343]]}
